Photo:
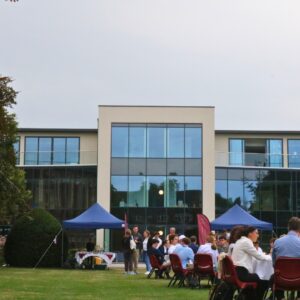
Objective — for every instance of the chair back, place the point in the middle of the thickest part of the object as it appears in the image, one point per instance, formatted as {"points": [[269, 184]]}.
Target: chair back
{"points": [[228, 271], [203, 264], [287, 273], [176, 264], [154, 262]]}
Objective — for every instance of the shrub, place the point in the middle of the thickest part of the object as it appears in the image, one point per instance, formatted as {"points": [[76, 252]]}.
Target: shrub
{"points": [[29, 238]]}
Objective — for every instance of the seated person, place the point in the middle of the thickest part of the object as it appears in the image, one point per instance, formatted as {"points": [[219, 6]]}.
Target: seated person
{"points": [[158, 254], [288, 246], [173, 239], [242, 257], [256, 245], [185, 253], [222, 244], [210, 247], [164, 247], [193, 245]]}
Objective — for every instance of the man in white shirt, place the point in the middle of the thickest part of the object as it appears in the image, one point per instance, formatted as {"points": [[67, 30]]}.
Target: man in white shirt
{"points": [[210, 248]]}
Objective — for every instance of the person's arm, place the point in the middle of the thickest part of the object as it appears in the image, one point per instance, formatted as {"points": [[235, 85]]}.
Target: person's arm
{"points": [[249, 248]]}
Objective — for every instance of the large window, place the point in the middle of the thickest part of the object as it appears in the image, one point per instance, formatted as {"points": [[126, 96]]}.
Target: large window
{"points": [[17, 150], [294, 153], [51, 150]]}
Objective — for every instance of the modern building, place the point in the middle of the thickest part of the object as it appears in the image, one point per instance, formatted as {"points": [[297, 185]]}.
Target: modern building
{"points": [[161, 166]]}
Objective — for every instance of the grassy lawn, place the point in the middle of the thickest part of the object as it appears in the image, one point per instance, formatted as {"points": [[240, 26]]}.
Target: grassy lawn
{"points": [[83, 284]]}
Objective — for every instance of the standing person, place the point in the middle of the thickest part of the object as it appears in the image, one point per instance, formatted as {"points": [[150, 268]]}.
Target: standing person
{"points": [[288, 246], [137, 237], [146, 258], [172, 231], [127, 252]]}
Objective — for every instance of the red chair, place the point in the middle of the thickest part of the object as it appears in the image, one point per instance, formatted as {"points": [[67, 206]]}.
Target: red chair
{"points": [[286, 274], [180, 274], [203, 267], [229, 275], [156, 266]]}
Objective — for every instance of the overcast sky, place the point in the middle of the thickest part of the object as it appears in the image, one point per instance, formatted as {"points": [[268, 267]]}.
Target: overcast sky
{"points": [[69, 56]]}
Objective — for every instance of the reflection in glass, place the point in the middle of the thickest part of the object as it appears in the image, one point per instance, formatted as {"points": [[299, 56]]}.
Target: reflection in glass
{"points": [[156, 191], [236, 152], [284, 195], [193, 191], [175, 191], [222, 202], [274, 150], [137, 141], [119, 189], [72, 151], [119, 142], [44, 151], [59, 148], [156, 140], [17, 150], [267, 194], [31, 151], [175, 137], [137, 191], [235, 192], [251, 193], [294, 153], [193, 142]]}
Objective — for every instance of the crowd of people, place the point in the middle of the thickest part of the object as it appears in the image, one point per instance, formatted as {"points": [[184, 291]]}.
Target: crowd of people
{"points": [[241, 244]]}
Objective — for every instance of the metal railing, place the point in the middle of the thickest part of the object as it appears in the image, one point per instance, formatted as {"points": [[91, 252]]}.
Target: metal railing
{"points": [[46, 158]]}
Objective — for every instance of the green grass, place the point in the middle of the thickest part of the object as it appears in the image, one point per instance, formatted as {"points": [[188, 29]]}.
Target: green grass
{"points": [[82, 284]]}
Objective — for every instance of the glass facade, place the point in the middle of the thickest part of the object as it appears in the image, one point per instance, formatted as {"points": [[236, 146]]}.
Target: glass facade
{"points": [[294, 153], [271, 195], [65, 192], [17, 150], [51, 150], [156, 176]]}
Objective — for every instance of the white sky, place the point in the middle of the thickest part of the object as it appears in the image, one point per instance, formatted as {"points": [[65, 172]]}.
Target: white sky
{"points": [[69, 56]]}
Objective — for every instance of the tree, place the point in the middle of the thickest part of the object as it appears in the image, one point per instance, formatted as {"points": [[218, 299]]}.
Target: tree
{"points": [[14, 198]]}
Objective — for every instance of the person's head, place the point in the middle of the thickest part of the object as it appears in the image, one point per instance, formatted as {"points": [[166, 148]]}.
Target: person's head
{"points": [[127, 232], [181, 237], [185, 241], [146, 233], [165, 243], [135, 229], [251, 233], [222, 241], [173, 239], [294, 224], [154, 243], [193, 239], [172, 230], [156, 234], [236, 233]]}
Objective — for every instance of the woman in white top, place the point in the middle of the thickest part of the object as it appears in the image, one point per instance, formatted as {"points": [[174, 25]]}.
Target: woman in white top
{"points": [[242, 256]]}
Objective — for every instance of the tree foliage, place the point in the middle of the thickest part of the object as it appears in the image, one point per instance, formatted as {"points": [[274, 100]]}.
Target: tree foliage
{"points": [[29, 238], [14, 198]]}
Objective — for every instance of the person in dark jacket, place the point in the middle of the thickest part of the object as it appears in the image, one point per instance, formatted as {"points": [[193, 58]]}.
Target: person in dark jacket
{"points": [[193, 245], [127, 252], [158, 254]]}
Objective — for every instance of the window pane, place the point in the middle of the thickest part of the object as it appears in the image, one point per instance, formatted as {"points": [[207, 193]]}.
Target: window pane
{"points": [[17, 150], [119, 142], [267, 194], [193, 191], [175, 191], [222, 203], [193, 166], [275, 153], [236, 152], [137, 166], [119, 166], [44, 151], [175, 142], [175, 166], [59, 150], [156, 191], [119, 188], [137, 191], [72, 150], [294, 153], [193, 142], [235, 192], [251, 191], [156, 166], [137, 142], [156, 139], [31, 148]]}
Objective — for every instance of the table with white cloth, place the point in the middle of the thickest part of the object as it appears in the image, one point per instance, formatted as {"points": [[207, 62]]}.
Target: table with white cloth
{"points": [[263, 268], [108, 257]]}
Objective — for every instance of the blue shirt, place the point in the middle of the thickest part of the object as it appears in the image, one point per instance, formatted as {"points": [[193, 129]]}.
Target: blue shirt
{"points": [[287, 246], [185, 254]]}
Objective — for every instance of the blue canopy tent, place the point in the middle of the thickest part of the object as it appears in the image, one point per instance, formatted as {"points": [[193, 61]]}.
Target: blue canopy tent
{"points": [[238, 216], [95, 217]]}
